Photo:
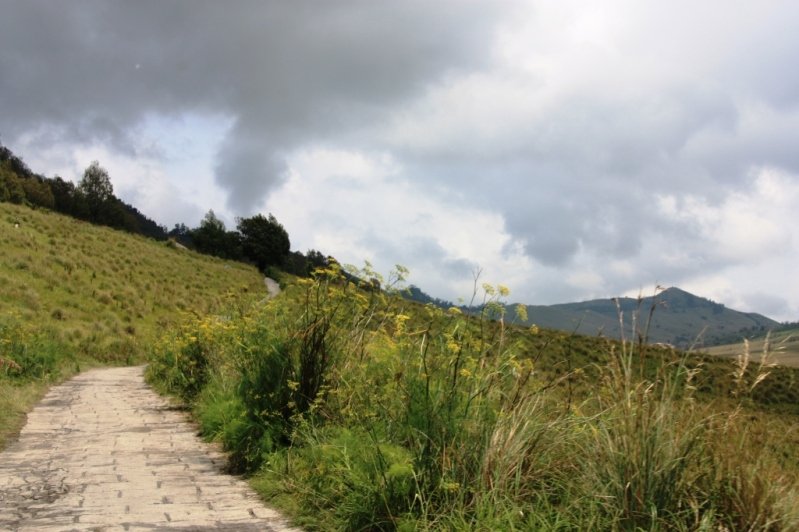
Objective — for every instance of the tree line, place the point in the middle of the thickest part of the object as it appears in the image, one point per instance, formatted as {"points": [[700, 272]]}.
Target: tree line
{"points": [[259, 240], [92, 200]]}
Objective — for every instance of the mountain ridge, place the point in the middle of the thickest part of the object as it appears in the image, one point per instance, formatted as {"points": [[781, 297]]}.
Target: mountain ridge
{"points": [[678, 318], [673, 316]]}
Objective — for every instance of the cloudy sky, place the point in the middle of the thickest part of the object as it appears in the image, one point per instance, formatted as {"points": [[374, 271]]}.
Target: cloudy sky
{"points": [[569, 149]]}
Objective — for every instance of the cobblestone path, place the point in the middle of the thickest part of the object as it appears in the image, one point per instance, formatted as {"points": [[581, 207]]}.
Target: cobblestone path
{"points": [[104, 452]]}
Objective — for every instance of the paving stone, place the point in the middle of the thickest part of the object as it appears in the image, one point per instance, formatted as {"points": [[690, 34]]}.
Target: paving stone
{"points": [[104, 452]]}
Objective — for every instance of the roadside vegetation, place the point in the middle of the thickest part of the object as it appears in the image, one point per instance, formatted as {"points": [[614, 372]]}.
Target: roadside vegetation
{"points": [[355, 409]]}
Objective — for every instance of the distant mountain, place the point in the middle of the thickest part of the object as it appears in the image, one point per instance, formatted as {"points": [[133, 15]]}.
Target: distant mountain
{"points": [[679, 318]]}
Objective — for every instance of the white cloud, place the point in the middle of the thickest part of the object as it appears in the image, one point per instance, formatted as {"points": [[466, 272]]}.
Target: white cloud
{"points": [[747, 226], [358, 207], [739, 245], [167, 175]]}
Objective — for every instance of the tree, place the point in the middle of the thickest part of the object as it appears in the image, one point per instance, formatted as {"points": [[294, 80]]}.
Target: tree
{"points": [[38, 192], [316, 259], [66, 198], [212, 238], [10, 185], [182, 234], [264, 240], [96, 188]]}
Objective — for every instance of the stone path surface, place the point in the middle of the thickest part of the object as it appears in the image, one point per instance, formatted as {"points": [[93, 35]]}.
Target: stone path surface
{"points": [[104, 452]]}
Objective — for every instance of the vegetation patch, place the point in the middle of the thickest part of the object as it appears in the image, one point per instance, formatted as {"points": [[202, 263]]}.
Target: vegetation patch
{"points": [[355, 409]]}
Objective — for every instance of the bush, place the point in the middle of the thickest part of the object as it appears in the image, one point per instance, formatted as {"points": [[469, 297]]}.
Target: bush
{"points": [[347, 477], [26, 354], [181, 364], [267, 394]]}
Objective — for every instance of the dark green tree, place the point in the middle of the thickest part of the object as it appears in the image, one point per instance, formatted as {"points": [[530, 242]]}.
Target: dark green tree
{"points": [[212, 238], [66, 198], [10, 184], [38, 192], [96, 188], [264, 240], [316, 259], [182, 234]]}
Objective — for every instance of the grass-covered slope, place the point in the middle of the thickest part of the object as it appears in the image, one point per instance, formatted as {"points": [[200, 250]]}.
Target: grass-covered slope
{"points": [[781, 347], [72, 293], [357, 410]]}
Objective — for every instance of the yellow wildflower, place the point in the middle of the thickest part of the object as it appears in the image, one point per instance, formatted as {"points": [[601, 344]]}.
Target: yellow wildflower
{"points": [[450, 486]]}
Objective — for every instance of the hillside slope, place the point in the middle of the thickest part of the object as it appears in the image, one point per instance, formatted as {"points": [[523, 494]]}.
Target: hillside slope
{"points": [[780, 347], [73, 295], [679, 318], [95, 286]]}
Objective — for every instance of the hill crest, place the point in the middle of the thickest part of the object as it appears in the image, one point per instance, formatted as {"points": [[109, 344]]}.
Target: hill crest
{"points": [[678, 317]]}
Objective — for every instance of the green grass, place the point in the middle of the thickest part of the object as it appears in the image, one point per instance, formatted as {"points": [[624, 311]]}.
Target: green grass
{"points": [[15, 400], [76, 295]]}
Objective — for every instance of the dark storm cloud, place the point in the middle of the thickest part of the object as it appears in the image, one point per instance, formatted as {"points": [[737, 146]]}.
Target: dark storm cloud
{"points": [[285, 72], [586, 172]]}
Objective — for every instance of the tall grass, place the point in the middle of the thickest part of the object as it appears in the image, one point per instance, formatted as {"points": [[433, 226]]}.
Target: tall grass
{"points": [[30, 359], [356, 410]]}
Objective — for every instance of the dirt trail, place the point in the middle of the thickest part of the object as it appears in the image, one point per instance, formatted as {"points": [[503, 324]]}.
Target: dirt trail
{"points": [[104, 452]]}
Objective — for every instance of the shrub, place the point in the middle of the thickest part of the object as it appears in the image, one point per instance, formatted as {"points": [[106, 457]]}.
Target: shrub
{"points": [[266, 391], [29, 354], [181, 364], [347, 477]]}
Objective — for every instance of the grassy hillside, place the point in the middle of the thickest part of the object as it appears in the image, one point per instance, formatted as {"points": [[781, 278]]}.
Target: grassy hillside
{"points": [[358, 410], [75, 294], [781, 347], [680, 318]]}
